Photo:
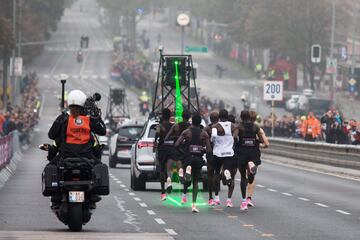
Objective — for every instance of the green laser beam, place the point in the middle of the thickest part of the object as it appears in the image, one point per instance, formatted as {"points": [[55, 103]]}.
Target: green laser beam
{"points": [[178, 100], [180, 204]]}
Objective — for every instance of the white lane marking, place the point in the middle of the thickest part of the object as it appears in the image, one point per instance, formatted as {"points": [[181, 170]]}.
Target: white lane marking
{"points": [[287, 194], [321, 205], [343, 212], [75, 76], [84, 76], [116, 179], [171, 231], [137, 199], [131, 194], [46, 76], [119, 204], [103, 77], [126, 190], [159, 221], [150, 212], [260, 186], [143, 204], [122, 185], [304, 199], [272, 190], [119, 182], [94, 76]]}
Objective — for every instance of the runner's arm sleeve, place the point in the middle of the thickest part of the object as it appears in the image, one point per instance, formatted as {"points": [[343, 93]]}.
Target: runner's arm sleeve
{"points": [[97, 126]]}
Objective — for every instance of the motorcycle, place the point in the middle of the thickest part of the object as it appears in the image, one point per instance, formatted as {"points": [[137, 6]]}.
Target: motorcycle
{"points": [[78, 181], [144, 107], [79, 57]]}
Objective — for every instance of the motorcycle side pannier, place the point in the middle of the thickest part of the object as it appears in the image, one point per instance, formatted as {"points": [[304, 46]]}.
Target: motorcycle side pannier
{"points": [[101, 179], [50, 180]]}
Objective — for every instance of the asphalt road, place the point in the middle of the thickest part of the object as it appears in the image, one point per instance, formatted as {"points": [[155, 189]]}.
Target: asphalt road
{"points": [[290, 203]]}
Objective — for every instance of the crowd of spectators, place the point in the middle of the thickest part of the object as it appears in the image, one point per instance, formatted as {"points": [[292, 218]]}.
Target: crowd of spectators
{"points": [[135, 71], [24, 116], [332, 127]]}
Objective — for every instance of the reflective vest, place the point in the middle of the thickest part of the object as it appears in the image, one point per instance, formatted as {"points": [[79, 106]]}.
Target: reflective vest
{"points": [[258, 67], [78, 130], [286, 76]]}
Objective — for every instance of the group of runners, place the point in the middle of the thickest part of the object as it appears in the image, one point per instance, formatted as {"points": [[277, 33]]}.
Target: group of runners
{"points": [[229, 145]]}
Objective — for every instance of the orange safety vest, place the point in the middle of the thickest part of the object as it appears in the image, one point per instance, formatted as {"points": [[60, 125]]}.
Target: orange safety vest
{"points": [[78, 130]]}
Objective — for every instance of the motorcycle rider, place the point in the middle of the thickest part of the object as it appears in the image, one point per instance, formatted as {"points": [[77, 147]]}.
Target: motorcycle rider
{"points": [[73, 134], [144, 102]]}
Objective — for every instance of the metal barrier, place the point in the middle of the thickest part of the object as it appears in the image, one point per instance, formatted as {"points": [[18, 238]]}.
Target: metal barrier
{"points": [[6, 150], [347, 156]]}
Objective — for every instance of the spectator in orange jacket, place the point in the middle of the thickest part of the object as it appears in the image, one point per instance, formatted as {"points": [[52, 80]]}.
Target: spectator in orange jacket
{"points": [[310, 128]]}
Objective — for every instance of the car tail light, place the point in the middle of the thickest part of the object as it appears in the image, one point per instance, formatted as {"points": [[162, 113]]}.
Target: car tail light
{"points": [[143, 144], [123, 139]]}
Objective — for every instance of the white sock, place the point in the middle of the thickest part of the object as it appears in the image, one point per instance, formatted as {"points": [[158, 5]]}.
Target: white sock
{"points": [[217, 198]]}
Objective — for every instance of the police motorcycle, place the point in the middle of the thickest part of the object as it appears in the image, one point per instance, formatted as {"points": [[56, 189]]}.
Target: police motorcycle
{"points": [[77, 181], [79, 56]]}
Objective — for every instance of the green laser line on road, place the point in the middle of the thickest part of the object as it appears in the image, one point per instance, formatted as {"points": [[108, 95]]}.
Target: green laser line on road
{"points": [[178, 101]]}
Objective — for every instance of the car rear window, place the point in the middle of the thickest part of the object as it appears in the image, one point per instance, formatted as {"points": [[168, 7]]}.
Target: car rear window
{"points": [[152, 131], [131, 131]]}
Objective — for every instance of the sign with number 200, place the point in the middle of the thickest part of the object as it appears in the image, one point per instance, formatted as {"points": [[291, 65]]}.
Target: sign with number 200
{"points": [[273, 91]]}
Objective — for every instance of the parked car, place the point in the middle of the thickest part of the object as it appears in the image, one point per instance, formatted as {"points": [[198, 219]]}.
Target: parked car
{"points": [[121, 142], [292, 103], [144, 166]]}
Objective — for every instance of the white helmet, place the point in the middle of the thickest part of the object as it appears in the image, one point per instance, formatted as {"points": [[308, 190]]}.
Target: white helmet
{"points": [[76, 98]]}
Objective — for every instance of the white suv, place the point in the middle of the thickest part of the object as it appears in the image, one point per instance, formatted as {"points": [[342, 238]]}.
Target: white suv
{"points": [[143, 160]]}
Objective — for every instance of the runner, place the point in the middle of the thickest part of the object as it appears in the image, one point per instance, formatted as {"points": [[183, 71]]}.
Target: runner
{"points": [[195, 140], [222, 137], [214, 118], [175, 155], [246, 150], [163, 150], [256, 162]]}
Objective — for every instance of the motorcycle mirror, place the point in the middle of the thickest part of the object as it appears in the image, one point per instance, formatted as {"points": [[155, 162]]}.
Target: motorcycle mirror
{"points": [[44, 147], [97, 96]]}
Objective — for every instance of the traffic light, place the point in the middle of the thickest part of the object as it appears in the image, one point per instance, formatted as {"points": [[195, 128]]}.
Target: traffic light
{"points": [[84, 42], [315, 53], [175, 71]]}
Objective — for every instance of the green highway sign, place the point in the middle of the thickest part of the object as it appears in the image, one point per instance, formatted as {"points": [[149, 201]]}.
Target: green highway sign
{"points": [[202, 49]]}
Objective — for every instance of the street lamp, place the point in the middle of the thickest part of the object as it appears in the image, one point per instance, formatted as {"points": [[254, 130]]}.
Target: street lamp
{"points": [[63, 78]]}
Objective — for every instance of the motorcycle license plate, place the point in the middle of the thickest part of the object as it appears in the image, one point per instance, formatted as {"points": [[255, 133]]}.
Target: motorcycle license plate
{"points": [[76, 197]]}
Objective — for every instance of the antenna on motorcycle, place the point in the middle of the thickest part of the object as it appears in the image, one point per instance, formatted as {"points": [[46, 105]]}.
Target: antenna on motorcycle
{"points": [[63, 78]]}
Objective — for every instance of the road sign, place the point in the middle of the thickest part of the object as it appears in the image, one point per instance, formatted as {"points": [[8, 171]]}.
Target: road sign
{"points": [[273, 90], [315, 53], [202, 49], [331, 65], [183, 19], [18, 69]]}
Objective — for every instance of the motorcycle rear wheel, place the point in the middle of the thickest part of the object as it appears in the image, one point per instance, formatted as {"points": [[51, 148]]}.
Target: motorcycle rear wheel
{"points": [[75, 217]]}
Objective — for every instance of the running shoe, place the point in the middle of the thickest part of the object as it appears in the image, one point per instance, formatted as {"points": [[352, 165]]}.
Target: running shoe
{"points": [[217, 200], [227, 175], [194, 209], [163, 197], [243, 206], [169, 185], [252, 167], [181, 176], [249, 202], [229, 203], [211, 202], [184, 199], [188, 174]]}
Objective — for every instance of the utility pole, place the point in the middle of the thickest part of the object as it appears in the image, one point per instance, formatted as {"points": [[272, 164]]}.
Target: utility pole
{"points": [[354, 33], [333, 76], [13, 78]]}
